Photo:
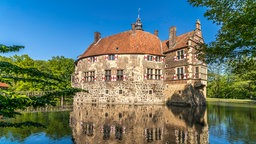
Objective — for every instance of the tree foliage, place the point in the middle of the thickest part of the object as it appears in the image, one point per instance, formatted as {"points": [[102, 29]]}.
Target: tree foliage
{"points": [[236, 81], [236, 37], [37, 75], [234, 47], [23, 73]]}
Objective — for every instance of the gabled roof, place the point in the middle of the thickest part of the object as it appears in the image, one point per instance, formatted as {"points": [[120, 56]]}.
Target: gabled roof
{"points": [[181, 42], [128, 42], [4, 85]]}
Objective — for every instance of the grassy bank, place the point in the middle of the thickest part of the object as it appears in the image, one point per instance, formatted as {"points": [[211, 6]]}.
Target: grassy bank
{"points": [[235, 101]]}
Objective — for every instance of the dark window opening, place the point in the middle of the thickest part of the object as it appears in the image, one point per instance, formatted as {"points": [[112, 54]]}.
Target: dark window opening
{"points": [[87, 129], [107, 75], [149, 134], [149, 73], [120, 75], [150, 58], [157, 74], [89, 76], [180, 73], [180, 54], [118, 132], [111, 57], [92, 59], [158, 58], [106, 132], [197, 73]]}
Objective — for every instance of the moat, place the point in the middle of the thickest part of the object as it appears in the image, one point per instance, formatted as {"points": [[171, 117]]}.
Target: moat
{"points": [[137, 124]]}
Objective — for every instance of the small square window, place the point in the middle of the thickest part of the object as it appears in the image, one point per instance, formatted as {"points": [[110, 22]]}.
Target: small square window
{"points": [[120, 91], [106, 91], [92, 59], [158, 58], [150, 92], [120, 75], [107, 75], [150, 58], [111, 57]]}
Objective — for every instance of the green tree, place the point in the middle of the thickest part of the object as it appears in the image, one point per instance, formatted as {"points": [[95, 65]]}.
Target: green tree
{"points": [[235, 81], [59, 66], [237, 20], [235, 45], [10, 101]]}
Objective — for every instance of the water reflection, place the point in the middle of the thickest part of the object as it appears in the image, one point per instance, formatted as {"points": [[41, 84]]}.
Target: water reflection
{"points": [[138, 124]]}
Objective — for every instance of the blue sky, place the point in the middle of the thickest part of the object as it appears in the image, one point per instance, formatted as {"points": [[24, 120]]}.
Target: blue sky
{"points": [[66, 27]]}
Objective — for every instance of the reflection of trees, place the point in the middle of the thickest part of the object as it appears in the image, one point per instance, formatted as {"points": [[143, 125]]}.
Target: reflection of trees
{"points": [[232, 122], [57, 126]]}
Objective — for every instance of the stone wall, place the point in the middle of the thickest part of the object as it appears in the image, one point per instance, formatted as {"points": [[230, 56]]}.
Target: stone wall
{"points": [[135, 88], [189, 95]]}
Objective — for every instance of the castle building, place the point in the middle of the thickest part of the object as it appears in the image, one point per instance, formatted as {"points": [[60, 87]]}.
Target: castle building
{"points": [[136, 67]]}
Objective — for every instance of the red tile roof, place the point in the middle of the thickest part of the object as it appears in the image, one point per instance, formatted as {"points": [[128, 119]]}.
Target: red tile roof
{"points": [[4, 85], [138, 42], [181, 41], [128, 42]]}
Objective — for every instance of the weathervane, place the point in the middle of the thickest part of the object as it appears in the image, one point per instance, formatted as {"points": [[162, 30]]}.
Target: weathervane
{"points": [[139, 13]]}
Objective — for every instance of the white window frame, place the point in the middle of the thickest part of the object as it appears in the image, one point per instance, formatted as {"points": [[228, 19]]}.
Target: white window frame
{"points": [[180, 72], [180, 54], [111, 57]]}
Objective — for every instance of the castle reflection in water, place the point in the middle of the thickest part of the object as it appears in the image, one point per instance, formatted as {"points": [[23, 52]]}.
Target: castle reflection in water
{"points": [[138, 124]]}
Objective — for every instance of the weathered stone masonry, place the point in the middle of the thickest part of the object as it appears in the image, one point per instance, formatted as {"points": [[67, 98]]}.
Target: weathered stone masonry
{"points": [[136, 67], [131, 89]]}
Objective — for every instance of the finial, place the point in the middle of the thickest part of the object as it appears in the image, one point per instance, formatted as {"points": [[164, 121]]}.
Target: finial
{"points": [[138, 24], [139, 13], [198, 24]]}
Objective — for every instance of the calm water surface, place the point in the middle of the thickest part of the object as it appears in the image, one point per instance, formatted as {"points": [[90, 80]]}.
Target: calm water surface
{"points": [[137, 124]]}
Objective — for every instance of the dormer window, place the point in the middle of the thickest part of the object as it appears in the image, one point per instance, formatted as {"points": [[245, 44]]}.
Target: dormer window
{"points": [[180, 54]]}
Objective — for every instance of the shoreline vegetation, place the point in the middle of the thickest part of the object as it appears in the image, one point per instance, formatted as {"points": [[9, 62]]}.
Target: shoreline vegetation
{"points": [[231, 101]]}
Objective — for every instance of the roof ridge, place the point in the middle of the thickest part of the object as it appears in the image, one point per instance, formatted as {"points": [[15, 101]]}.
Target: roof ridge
{"points": [[193, 31]]}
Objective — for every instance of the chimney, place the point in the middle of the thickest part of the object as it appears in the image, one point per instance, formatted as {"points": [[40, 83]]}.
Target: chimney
{"points": [[133, 27], [172, 36], [96, 37], [156, 33]]}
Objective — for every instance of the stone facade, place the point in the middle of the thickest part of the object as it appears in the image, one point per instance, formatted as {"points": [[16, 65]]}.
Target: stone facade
{"points": [[131, 88], [137, 67]]}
